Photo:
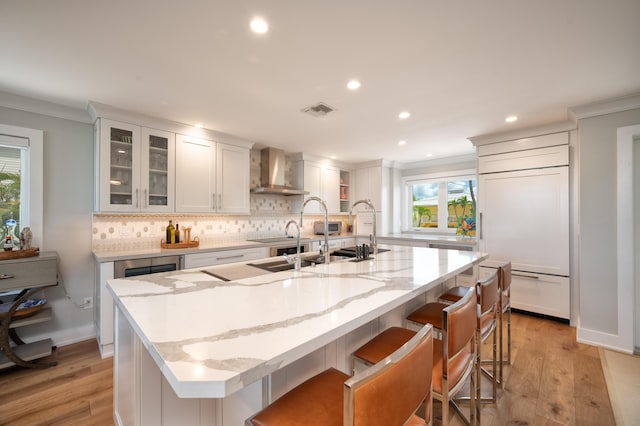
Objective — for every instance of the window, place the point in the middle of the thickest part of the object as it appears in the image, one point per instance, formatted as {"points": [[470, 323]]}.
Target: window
{"points": [[21, 182], [12, 160], [441, 203]]}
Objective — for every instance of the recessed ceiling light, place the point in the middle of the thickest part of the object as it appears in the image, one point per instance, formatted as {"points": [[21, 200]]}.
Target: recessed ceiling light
{"points": [[404, 115], [353, 85], [199, 125], [429, 155], [511, 119], [402, 142], [259, 26], [333, 157]]}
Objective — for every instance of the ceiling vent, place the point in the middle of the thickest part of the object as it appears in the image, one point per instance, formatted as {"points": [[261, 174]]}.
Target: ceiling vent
{"points": [[318, 110]]}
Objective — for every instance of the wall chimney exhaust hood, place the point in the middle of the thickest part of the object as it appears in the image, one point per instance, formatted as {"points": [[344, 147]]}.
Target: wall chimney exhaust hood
{"points": [[272, 165]]}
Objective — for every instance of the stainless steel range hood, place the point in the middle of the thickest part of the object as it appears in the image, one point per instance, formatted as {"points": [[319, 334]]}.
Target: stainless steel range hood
{"points": [[272, 164]]}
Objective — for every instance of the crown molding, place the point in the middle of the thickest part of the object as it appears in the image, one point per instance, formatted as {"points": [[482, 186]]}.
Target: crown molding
{"points": [[547, 129], [605, 106], [38, 106], [98, 110]]}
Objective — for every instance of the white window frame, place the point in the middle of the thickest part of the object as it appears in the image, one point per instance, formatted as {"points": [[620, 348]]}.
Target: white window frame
{"points": [[441, 177], [31, 208]]}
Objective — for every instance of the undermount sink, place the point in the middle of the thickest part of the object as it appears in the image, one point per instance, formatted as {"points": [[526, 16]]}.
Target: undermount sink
{"points": [[282, 264]]}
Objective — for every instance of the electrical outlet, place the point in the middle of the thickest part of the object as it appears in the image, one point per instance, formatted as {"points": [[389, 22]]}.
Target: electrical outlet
{"points": [[88, 303]]}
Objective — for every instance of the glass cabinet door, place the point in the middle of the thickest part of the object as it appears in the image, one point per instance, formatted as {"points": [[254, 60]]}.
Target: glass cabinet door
{"points": [[121, 157], [119, 168], [158, 151]]}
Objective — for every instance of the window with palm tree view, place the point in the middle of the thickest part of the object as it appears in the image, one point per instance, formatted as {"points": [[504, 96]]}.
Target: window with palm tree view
{"points": [[11, 161], [444, 204]]}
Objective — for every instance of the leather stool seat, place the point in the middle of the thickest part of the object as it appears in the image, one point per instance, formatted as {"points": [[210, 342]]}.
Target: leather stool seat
{"points": [[318, 401], [383, 344], [431, 313], [454, 294]]}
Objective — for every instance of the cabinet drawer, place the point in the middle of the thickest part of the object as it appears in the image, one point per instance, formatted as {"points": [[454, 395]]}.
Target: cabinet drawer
{"points": [[200, 260], [539, 293], [27, 273]]}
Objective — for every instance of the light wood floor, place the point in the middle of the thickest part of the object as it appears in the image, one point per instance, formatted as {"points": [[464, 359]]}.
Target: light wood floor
{"points": [[553, 381]]}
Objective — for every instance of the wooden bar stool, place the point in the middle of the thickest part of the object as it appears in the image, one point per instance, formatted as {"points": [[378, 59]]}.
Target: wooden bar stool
{"points": [[454, 356], [386, 394]]}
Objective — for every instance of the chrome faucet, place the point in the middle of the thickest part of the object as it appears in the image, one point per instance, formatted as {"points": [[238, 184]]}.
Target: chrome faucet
{"points": [[326, 224], [372, 238], [297, 258]]}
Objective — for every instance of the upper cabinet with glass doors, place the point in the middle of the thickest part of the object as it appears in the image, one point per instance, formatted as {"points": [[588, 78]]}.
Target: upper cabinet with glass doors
{"points": [[136, 168]]}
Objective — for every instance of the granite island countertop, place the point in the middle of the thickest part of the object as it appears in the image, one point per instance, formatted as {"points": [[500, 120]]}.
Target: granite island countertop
{"points": [[210, 338]]}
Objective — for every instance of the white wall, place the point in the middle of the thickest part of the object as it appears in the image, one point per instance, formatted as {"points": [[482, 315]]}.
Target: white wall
{"points": [[597, 216], [68, 192]]}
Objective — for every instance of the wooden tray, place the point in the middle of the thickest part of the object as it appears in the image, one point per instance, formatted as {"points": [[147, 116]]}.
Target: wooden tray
{"points": [[183, 245], [18, 254]]}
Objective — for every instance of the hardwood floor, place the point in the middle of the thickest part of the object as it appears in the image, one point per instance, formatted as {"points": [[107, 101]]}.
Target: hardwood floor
{"points": [[552, 381], [78, 391]]}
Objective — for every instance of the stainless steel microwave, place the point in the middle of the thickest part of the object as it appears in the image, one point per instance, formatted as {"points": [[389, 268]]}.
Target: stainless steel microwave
{"points": [[333, 228]]}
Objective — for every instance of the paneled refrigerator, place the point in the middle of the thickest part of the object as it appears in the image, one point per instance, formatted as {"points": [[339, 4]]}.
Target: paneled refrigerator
{"points": [[524, 217]]}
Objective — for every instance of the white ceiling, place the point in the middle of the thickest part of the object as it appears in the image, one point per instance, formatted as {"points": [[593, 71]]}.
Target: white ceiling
{"points": [[459, 67]]}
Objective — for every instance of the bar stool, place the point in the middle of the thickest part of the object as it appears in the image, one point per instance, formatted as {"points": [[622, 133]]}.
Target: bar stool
{"points": [[386, 394], [454, 356], [487, 290], [504, 305]]}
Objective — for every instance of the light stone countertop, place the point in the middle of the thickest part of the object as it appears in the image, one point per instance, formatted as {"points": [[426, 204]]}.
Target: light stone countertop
{"points": [[210, 338]]}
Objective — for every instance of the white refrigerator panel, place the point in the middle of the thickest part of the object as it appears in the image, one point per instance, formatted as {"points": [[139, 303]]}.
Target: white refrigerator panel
{"points": [[524, 217]]}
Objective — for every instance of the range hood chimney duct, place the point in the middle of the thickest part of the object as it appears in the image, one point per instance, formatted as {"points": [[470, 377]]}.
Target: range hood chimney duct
{"points": [[272, 165]]}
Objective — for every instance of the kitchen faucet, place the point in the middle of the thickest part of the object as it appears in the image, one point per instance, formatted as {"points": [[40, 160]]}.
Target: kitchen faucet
{"points": [[297, 259], [372, 239], [326, 224]]}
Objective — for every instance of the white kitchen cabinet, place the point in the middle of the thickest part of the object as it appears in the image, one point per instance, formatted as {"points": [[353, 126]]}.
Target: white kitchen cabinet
{"points": [[334, 243], [135, 168], [201, 260], [320, 180], [523, 199], [211, 176], [369, 187]]}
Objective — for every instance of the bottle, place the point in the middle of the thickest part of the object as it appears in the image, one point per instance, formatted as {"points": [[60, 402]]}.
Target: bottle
{"points": [[8, 243], [171, 233], [177, 233]]}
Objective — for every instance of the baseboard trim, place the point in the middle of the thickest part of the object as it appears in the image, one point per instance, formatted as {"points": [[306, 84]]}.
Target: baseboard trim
{"points": [[68, 336], [604, 340]]}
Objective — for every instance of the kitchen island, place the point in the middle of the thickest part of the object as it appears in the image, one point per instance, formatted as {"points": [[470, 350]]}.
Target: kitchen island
{"points": [[192, 348]]}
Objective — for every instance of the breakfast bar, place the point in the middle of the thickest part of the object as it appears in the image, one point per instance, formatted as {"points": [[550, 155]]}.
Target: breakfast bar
{"points": [[195, 348]]}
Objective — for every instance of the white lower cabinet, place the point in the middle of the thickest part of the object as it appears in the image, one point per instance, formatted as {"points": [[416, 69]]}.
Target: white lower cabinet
{"points": [[538, 293], [335, 243], [201, 260]]}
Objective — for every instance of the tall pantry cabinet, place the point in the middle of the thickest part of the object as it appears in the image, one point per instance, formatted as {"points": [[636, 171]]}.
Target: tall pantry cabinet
{"points": [[523, 217], [372, 181]]}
